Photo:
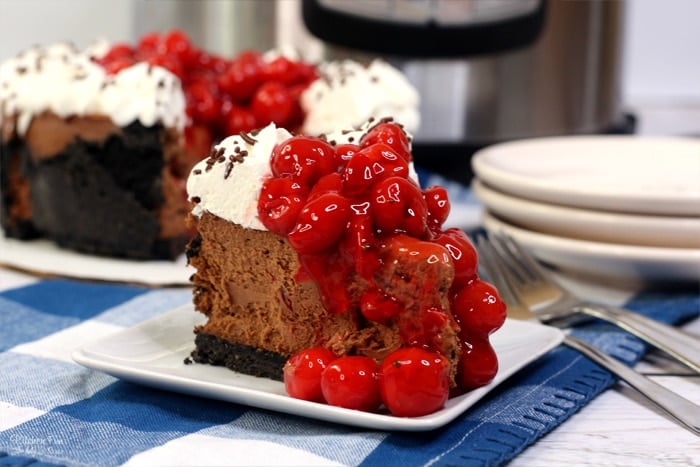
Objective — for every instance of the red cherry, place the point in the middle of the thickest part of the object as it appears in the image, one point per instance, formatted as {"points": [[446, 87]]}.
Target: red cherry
{"points": [[345, 152], [463, 254], [303, 158], [238, 119], [201, 103], [272, 102], [414, 382], [438, 206], [118, 64], [302, 373], [242, 76], [170, 63], [329, 183], [177, 44], [281, 70], [478, 363], [398, 205], [148, 42], [280, 203], [306, 72], [212, 62], [390, 134], [351, 382], [371, 164], [117, 51], [377, 306], [359, 241], [478, 309], [320, 224]]}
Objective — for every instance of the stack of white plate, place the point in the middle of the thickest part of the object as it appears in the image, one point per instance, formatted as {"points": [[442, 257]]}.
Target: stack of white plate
{"points": [[625, 207]]}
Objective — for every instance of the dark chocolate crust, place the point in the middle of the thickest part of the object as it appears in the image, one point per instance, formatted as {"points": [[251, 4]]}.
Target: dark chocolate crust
{"points": [[99, 198], [240, 358]]}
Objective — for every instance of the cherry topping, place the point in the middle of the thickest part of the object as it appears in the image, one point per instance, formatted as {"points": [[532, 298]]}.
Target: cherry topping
{"points": [[320, 224], [399, 206], [302, 373], [351, 382], [280, 203], [238, 119], [272, 102], [242, 76], [478, 363], [345, 152], [463, 254], [355, 217], [438, 206], [390, 134], [478, 309], [377, 306], [414, 382], [304, 158], [234, 94], [370, 165]]}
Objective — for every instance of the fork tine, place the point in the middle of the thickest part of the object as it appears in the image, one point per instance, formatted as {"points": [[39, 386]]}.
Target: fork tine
{"points": [[492, 267], [521, 276], [519, 254], [500, 276]]}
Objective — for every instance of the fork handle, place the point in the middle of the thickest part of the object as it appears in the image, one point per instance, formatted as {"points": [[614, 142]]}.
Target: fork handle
{"points": [[683, 410], [683, 347]]}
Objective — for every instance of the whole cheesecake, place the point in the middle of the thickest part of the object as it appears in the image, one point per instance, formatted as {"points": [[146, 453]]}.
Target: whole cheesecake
{"points": [[96, 144], [92, 161]]}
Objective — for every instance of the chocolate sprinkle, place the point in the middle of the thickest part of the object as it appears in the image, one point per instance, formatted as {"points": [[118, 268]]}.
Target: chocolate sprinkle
{"points": [[247, 138], [215, 155]]}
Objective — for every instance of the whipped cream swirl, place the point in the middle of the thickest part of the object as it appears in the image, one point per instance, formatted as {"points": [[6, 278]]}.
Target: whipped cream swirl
{"points": [[63, 80], [347, 94]]}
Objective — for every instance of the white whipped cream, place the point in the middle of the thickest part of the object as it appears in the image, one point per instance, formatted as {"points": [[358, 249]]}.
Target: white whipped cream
{"points": [[228, 182], [230, 189], [349, 93], [65, 81]]}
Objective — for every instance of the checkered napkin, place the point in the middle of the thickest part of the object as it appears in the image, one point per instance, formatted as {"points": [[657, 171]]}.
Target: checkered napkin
{"points": [[56, 412]]}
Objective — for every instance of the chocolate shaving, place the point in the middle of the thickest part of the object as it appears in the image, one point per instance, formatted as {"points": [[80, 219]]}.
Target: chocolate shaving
{"points": [[247, 138]]}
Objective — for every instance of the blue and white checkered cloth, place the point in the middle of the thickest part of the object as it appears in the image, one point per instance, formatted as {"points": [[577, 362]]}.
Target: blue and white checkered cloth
{"points": [[56, 412]]}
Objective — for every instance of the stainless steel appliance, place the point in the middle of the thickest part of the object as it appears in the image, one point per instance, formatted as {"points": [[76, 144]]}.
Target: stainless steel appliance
{"points": [[488, 70]]}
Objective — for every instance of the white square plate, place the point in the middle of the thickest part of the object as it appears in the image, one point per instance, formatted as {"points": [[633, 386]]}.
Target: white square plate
{"points": [[153, 354]]}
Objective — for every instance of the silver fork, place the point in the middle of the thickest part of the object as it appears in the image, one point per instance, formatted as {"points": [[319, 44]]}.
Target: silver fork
{"points": [[682, 410], [553, 304]]}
